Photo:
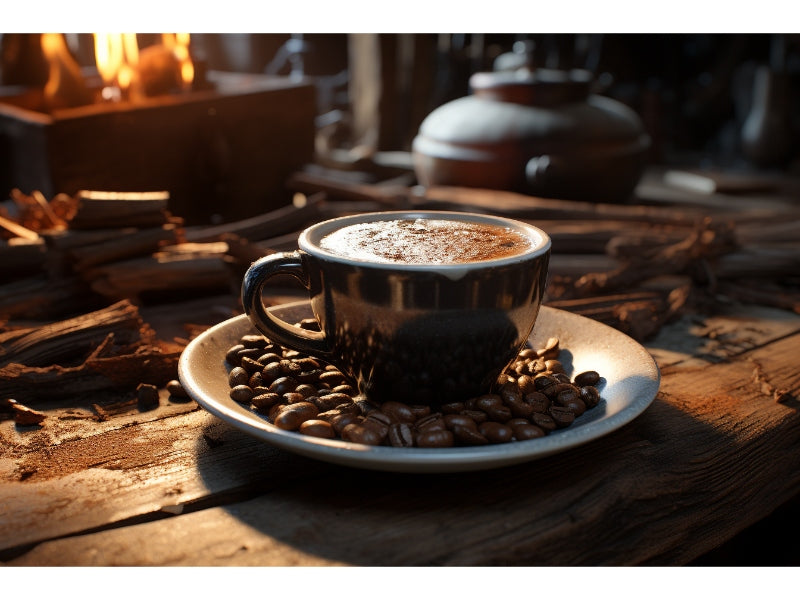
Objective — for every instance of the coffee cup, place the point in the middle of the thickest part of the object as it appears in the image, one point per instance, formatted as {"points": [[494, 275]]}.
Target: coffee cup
{"points": [[422, 307]]}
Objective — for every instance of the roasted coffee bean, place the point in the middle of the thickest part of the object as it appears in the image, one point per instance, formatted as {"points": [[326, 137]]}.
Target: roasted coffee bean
{"points": [[550, 350], [488, 401], [420, 410], [525, 384], [357, 433], [528, 354], [269, 357], [543, 420], [401, 435], [324, 403], [527, 431], [504, 378], [469, 436], [519, 408], [332, 378], [496, 433], [576, 405], [452, 421], [317, 428], [398, 412], [251, 365], [562, 377], [251, 353], [290, 368], [378, 422], [538, 401], [452, 408], [292, 354], [587, 378], [432, 421], [346, 389], [273, 412], [147, 395], [554, 366], [293, 398], [590, 396], [256, 380], [342, 420], [253, 341], [241, 393], [283, 384], [476, 415], [544, 382], [238, 376], [272, 371], [232, 355], [501, 413], [306, 389], [293, 415], [175, 389], [262, 403], [509, 392], [435, 438], [563, 417], [567, 395]]}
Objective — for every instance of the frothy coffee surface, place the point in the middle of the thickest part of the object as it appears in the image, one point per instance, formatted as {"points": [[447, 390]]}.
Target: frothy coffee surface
{"points": [[425, 241]]}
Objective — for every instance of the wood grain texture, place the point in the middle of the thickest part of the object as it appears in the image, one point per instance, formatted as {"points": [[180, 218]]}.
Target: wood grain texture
{"points": [[712, 455]]}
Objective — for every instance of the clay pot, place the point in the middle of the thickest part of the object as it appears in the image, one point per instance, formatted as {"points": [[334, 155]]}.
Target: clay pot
{"points": [[541, 133]]}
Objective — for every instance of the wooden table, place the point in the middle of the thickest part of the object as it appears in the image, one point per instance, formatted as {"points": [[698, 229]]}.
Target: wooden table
{"points": [[715, 453]]}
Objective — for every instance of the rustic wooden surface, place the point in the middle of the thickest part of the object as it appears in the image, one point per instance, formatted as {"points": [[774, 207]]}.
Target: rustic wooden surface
{"points": [[110, 484], [713, 454]]}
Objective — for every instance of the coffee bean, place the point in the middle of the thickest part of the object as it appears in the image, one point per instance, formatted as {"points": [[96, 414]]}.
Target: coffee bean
{"points": [[306, 389], [241, 393], [293, 398], [435, 438], [238, 376], [496, 433], [398, 412], [433, 421], [587, 378], [576, 405], [452, 407], [452, 421], [401, 435], [283, 384], [563, 417], [251, 365], [271, 371], [476, 415], [469, 436], [262, 403], [544, 420], [317, 428], [256, 380], [590, 396], [253, 341], [527, 431], [147, 396], [175, 389], [538, 402], [357, 433], [232, 355], [293, 415]]}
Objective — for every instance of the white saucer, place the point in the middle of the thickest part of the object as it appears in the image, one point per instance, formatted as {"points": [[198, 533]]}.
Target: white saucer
{"points": [[631, 381]]}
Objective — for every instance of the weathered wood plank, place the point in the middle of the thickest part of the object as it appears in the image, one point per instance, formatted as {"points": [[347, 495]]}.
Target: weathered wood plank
{"points": [[713, 454]]}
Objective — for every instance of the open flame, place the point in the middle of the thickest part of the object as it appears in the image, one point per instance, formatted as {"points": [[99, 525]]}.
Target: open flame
{"points": [[126, 71], [65, 84]]}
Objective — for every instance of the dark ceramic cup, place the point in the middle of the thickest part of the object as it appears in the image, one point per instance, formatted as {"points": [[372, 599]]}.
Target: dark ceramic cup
{"points": [[415, 333]]}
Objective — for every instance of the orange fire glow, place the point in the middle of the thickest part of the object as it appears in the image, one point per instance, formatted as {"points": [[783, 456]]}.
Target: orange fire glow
{"points": [[118, 61]]}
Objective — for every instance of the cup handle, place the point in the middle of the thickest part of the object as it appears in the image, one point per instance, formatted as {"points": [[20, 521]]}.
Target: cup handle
{"points": [[278, 330]]}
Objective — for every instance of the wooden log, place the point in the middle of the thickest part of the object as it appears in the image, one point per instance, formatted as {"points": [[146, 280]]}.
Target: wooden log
{"points": [[279, 221], [71, 339], [129, 243], [120, 209], [42, 297]]}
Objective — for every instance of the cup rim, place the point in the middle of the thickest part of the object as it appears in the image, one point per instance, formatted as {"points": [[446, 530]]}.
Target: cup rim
{"points": [[310, 237]]}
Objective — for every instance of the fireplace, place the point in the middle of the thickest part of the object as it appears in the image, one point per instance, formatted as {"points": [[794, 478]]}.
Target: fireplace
{"points": [[221, 147]]}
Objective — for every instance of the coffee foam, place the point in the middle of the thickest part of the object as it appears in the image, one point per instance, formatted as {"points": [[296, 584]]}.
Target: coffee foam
{"points": [[426, 241]]}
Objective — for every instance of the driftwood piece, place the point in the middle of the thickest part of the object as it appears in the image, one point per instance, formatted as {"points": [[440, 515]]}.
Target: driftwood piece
{"points": [[182, 267], [21, 256], [146, 364], [71, 339]]}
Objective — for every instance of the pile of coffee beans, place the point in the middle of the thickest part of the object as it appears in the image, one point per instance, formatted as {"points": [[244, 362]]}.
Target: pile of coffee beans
{"points": [[296, 392]]}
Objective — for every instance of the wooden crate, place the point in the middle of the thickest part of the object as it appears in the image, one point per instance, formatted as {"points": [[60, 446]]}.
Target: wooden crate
{"points": [[223, 152]]}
